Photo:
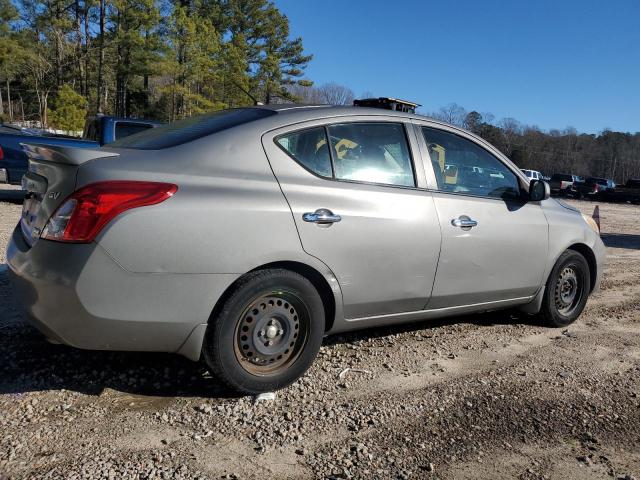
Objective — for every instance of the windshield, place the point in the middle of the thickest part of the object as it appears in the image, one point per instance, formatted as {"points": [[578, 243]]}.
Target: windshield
{"points": [[189, 129]]}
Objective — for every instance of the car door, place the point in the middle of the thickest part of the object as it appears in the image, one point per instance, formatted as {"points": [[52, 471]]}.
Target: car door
{"points": [[357, 207], [492, 240]]}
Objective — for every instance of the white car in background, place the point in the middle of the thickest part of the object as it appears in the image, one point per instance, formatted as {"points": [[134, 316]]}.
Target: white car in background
{"points": [[532, 174]]}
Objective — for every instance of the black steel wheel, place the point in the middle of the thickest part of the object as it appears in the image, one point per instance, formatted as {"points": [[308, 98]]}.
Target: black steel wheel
{"points": [[566, 290], [267, 333], [271, 333]]}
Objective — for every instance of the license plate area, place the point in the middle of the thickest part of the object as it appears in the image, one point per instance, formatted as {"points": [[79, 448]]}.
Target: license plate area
{"points": [[35, 187], [30, 209]]}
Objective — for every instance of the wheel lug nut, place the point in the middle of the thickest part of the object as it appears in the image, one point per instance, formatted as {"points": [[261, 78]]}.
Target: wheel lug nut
{"points": [[267, 343], [261, 333], [280, 332]]}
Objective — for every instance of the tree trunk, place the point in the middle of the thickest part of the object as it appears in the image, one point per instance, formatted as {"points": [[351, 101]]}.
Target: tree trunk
{"points": [[120, 76], [79, 65], [45, 121], [99, 104], [87, 42], [9, 109], [21, 108], [1, 105]]}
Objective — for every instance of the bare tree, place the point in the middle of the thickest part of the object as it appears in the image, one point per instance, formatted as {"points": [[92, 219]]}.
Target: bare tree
{"points": [[334, 94], [39, 68], [329, 93], [511, 130], [304, 94], [452, 113]]}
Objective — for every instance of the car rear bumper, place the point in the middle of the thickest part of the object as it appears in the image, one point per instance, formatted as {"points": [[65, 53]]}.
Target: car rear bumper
{"points": [[4, 176], [76, 294]]}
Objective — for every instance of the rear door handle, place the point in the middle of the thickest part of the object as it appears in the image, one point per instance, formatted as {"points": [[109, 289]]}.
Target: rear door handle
{"points": [[321, 216], [464, 222]]}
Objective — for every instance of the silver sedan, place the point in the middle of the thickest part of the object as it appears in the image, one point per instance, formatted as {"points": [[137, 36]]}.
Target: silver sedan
{"points": [[243, 237]]}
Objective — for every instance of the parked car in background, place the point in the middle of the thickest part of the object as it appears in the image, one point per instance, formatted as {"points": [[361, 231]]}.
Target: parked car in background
{"points": [[629, 192], [564, 184], [99, 130], [533, 174], [594, 187], [242, 237], [603, 184], [105, 129]]}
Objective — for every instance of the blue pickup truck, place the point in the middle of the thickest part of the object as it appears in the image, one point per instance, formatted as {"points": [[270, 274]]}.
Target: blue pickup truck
{"points": [[98, 131]]}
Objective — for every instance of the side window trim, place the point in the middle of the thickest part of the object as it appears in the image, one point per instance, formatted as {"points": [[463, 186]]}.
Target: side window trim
{"points": [[332, 159], [406, 126]]}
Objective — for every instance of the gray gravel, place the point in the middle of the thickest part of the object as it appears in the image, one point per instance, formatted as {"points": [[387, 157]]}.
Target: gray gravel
{"points": [[486, 396]]}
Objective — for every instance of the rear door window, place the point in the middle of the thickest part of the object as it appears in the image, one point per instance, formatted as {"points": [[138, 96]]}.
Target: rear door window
{"points": [[371, 152]]}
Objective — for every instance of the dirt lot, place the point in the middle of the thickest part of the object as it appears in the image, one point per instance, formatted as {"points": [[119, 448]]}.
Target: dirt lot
{"points": [[488, 396]]}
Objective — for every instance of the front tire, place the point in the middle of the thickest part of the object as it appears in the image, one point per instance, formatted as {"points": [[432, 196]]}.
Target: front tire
{"points": [[268, 332], [567, 290]]}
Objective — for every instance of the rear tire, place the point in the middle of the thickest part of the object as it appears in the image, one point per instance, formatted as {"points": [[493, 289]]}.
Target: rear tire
{"points": [[567, 290], [268, 332]]}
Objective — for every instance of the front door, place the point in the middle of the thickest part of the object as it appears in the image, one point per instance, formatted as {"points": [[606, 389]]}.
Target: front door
{"points": [[356, 207], [494, 244]]}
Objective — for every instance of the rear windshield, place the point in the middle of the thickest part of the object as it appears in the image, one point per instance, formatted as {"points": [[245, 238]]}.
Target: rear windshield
{"points": [[189, 129], [125, 129]]}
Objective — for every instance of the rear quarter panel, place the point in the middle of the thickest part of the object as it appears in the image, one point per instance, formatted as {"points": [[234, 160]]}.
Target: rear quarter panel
{"points": [[228, 215]]}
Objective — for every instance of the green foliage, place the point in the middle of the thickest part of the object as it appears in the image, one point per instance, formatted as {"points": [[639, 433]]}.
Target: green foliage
{"points": [[164, 58], [69, 110]]}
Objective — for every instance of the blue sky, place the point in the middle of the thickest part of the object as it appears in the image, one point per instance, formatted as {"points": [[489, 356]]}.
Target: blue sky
{"points": [[547, 63]]}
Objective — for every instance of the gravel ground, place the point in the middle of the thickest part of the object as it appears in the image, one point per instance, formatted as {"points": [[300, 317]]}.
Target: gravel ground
{"points": [[484, 396]]}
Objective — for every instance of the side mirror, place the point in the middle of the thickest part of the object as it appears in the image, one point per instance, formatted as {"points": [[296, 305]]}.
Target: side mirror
{"points": [[539, 190]]}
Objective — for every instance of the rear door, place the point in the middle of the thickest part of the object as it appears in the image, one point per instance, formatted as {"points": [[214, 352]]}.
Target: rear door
{"points": [[357, 207], [492, 241]]}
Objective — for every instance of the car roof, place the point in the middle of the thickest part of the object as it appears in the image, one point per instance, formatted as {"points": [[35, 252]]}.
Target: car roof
{"points": [[314, 110]]}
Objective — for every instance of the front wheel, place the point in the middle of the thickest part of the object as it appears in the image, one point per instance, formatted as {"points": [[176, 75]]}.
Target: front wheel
{"points": [[566, 291], [268, 332]]}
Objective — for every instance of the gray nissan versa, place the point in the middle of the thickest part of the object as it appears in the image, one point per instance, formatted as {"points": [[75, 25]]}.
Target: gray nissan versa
{"points": [[242, 237]]}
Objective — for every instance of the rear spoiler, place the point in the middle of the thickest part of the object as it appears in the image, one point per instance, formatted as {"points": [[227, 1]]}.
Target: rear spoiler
{"points": [[64, 155]]}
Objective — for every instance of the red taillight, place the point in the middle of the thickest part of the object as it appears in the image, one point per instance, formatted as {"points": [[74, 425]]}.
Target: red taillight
{"points": [[85, 212], [1, 153]]}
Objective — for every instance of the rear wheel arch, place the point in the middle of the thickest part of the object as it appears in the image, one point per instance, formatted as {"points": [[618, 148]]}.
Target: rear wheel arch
{"points": [[316, 278], [590, 257]]}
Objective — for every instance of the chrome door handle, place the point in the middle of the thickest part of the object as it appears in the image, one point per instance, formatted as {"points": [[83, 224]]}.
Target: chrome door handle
{"points": [[321, 216], [464, 222]]}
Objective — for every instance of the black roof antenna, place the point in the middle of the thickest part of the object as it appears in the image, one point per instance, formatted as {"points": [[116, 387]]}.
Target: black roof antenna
{"points": [[255, 102]]}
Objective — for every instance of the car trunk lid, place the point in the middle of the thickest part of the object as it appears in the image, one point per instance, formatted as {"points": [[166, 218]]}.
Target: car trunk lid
{"points": [[50, 179]]}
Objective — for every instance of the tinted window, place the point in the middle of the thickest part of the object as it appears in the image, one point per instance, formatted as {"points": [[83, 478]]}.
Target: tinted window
{"points": [[371, 152], [563, 177], [189, 129], [309, 148], [461, 166], [124, 129]]}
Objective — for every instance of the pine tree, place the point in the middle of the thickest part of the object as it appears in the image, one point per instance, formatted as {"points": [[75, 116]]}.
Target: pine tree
{"points": [[69, 110]]}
